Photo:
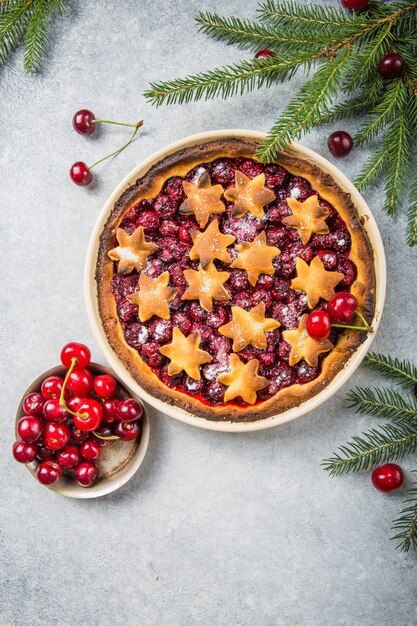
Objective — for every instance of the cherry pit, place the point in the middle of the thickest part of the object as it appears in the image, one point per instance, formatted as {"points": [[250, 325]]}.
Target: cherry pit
{"points": [[69, 421]]}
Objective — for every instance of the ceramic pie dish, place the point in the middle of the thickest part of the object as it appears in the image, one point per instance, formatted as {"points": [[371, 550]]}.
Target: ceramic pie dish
{"points": [[203, 267]]}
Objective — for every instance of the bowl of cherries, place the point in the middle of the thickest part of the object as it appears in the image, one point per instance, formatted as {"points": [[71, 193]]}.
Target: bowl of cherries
{"points": [[79, 431]]}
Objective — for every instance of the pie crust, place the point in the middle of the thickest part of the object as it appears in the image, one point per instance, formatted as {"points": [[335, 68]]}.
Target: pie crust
{"points": [[180, 164]]}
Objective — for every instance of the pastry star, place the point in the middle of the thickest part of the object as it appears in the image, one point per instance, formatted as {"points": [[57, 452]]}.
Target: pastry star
{"points": [[249, 195], [132, 252], [185, 354], [242, 380], [210, 245], [307, 217], [315, 280], [203, 199], [248, 327], [303, 346], [256, 257], [205, 285], [153, 296]]}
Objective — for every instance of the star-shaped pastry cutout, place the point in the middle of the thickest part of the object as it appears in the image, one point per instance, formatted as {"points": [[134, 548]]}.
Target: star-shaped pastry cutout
{"points": [[256, 257], [185, 354], [315, 281], [249, 195], [203, 199], [206, 285], [242, 380], [307, 217], [211, 244], [303, 346], [132, 252], [248, 327], [153, 296]]}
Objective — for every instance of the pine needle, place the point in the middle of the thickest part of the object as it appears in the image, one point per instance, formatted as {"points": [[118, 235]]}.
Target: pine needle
{"points": [[403, 373], [389, 106], [383, 403], [406, 522]]}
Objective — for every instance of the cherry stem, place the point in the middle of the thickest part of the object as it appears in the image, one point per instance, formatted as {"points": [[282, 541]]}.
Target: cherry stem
{"points": [[104, 438], [116, 123], [362, 318], [137, 126], [353, 327], [62, 402]]}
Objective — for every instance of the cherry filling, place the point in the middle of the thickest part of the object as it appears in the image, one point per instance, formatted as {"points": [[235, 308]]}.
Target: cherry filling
{"points": [[166, 227]]}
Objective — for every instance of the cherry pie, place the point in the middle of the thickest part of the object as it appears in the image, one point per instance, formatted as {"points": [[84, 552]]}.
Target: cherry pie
{"points": [[208, 267]]}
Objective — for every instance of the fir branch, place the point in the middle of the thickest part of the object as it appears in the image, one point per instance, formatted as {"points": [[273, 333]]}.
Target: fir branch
{"points": [[366, 58], [358, 105], [384, 403], [412, 209], [307, 108], [372, 168], [377, 445], [406, 522], [13, 21], [228, 80], [392, 100], [397, 142], [254, 36], [403, 373]]}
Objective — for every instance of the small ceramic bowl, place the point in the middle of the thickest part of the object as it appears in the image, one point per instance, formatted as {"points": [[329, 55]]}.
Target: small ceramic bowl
{"points": [[90, 287], [117, 463]]}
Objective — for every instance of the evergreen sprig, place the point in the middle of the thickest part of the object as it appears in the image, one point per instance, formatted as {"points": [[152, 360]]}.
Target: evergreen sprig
{"points": [[388, 442], [343, 48], [27, 22]]}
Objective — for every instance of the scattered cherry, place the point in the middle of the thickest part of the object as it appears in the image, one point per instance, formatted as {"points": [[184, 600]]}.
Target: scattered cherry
{"points": [[54, 412], [69, 457], [81, 174], [83, 122], [86, 473], [29, 428], [24, 452], [89, 415], [33, 404], [340, 143], [319, 324], [51, 387], [388, 477], [90, 450], [264, 54], [80, 382], [341, 307], [129, 410], [355, 5], [49, 472], [55, 436], [105, 386], [127, 430], [391, 65], [110, 408], [77, 351]]}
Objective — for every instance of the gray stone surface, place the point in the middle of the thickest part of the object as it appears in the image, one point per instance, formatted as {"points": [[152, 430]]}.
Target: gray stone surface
{"points": [[214, 528]]}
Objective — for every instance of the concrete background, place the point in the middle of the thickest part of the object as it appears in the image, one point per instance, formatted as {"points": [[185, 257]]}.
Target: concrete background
{"points": [[215, 528]]}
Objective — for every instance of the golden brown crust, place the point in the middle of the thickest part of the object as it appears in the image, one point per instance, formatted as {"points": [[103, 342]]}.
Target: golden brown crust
{"points": [[179, 164]]}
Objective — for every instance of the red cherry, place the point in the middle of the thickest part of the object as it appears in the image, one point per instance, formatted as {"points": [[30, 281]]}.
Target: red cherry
{"points": [[264, 54], [33, 404], [355, 5], [90, 450], [51, 387], [105, 386], [319, 324], [77, 351], [341, 307], [29, 428], [110, 408], [86, 473], [81, 174], [127, 430], [24, 452], [340, 143], [55, 436], [83, 123], [49, 472], [54, 412], [78, 435], [43, 454], [129, 410], [388, 477], [80, 382], [92, 411], [74, 402], [104, 436], [391, 66], [69, 457]]}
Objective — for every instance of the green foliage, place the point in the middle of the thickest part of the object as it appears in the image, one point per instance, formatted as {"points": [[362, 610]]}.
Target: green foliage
{"points": [[400, 372], [406, 523], [27, 22], [344, 49], [386, 403]]}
